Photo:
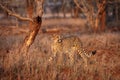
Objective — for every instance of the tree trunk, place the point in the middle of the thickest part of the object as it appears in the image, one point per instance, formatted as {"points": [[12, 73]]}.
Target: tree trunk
{"points": [[97, 23], [37, 20], [64, 12], [117, 12], [76, 12], [30, 10], [32, 34], [103, 21]]}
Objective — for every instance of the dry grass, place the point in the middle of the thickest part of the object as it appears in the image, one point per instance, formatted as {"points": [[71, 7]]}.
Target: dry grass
{"points": [[105, 65]]}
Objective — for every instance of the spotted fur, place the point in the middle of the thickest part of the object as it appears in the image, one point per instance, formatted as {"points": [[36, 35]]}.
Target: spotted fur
{"points": [[69, 45]]}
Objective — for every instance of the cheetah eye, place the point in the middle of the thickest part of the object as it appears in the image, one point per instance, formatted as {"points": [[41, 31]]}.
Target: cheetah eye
{"points": [[59, 40]]}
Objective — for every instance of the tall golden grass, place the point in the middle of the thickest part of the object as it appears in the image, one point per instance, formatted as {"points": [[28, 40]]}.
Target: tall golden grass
{"points": [[35, 65]]}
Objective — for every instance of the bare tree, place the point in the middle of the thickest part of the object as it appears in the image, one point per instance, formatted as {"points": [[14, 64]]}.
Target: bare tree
{"points": [[94, 10], [35, 22], [30, 9], [63, 8]]}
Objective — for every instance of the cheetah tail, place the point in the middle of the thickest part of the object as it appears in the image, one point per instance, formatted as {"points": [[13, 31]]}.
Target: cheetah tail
{"points": [[94, 52], [91, 54]]}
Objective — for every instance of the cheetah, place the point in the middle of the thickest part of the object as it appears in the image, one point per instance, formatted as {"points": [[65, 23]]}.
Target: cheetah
{"points": [[70, 45]]}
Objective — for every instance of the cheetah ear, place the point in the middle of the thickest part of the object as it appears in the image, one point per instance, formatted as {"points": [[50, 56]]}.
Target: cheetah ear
{"points": [[54, 36], [59, 37]]}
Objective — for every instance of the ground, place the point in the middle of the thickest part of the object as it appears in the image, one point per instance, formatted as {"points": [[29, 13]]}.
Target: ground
{"points": [[105, 65]]}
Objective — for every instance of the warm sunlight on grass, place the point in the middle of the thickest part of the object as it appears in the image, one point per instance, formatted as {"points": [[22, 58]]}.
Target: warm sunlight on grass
{"points": [[35, 65]]}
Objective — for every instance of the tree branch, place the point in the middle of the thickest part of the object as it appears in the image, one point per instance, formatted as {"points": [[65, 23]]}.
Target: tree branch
{"points": [[83, 7], [14, 14], [78, 5], [101, 7]]}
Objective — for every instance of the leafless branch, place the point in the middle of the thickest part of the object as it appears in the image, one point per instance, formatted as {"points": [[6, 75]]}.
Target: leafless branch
{"points": [[83, 6], [86, 5], [101, 7], [78, 5], [15, 14]]}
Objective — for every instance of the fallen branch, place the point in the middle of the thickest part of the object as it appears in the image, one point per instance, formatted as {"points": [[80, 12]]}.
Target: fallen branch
{"points": [[14, 14]]}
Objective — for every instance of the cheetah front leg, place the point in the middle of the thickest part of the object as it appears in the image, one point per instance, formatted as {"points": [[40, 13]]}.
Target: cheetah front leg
{"points": [[84, 57], [53, 56], [71, 56]]}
